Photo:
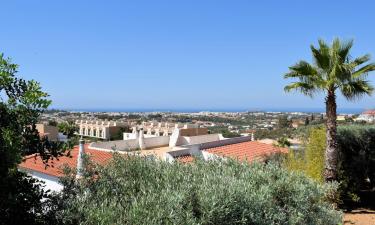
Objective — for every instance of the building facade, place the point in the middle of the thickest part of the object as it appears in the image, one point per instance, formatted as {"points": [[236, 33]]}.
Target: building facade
{"points": [[99, 129], [51, 132], [368, 116]]}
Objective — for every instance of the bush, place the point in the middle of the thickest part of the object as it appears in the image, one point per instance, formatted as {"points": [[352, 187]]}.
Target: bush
{"points": [[356, 160], [134, 190], [311, 160], [25, 201]]}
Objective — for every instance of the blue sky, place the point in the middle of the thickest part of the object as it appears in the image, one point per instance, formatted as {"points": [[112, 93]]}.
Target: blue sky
{"points": [[203, 54]]}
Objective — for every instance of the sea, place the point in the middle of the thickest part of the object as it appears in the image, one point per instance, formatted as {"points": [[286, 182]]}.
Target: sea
{"points": [[304, 110]]}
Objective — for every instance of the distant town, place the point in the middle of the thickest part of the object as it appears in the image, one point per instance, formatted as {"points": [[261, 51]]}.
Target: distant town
{"points": [[231, 124]]}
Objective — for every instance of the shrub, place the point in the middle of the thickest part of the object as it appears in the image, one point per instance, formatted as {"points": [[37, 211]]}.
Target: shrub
{"points": [[311, 160], [134, 190], [356, 160], [315, 151]]}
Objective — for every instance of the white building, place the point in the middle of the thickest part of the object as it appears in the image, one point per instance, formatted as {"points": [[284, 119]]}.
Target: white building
{"points": [[99, 129], [368, 116]]}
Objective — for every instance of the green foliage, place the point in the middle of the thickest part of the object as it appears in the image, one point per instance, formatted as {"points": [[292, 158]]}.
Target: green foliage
{"points": [[315, 150], [52, 123], [68, 128], [284, 122], [21, 200], [333, 68], [295, 161], [134, 190], [307, 121], [311, 160], [283, 142], [273, 134], [224, 131], [21, 103], [356, 160]]}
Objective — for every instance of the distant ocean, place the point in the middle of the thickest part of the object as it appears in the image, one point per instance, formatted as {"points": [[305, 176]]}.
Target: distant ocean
{"points": [[306, 110]]}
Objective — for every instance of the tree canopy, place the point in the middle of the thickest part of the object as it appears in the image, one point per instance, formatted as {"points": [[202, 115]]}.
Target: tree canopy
{"points": [[21, 103]]}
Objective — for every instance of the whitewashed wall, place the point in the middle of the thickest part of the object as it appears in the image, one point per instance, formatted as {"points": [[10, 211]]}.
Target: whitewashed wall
{"points": [[50, 182], [131, 144], [198, 139]]}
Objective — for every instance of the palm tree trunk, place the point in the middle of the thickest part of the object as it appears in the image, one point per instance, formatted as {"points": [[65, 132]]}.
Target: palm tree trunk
{"points": [[330, 172]]}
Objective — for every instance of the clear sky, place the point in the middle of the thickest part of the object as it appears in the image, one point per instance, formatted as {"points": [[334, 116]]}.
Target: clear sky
{"points": [[202, 54]]}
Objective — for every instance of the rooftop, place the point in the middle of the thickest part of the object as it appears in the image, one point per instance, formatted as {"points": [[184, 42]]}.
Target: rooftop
{"points": [[54, 167], [369, 112], [246, 151], [185, 158]]}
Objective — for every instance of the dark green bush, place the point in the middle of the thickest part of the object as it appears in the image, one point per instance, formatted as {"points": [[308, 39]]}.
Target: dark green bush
{"points": [[356, 160], [134, 190]]}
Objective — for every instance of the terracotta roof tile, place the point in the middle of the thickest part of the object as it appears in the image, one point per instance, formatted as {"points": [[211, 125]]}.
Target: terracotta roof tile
{"points": [[369, 112], [185, 159], [55, 166], [249, 150]]}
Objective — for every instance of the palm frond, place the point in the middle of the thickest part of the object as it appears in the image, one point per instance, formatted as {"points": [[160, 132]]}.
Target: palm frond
{"points": [[333, 69], [321, 55], [304, 88], [344, 50], [360, 60], [356, 89], [302, 68], [363, 70]]}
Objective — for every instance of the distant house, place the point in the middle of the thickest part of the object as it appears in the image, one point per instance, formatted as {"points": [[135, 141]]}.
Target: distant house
{"points": [[368, 116], [341, 117], [51, 132]]}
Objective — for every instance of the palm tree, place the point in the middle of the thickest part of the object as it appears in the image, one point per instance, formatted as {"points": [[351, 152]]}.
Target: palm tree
{"points": [[333, 70]]}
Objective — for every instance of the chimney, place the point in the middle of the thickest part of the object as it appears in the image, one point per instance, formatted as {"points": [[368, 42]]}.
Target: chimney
{"points": [[81, 152], [141, 140]]}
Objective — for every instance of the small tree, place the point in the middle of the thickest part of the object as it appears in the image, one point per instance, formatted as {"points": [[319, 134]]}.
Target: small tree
{"points": [[284, 122], [68, 128], [307, 121], [315, 153], [311, 160], [21, 103]]}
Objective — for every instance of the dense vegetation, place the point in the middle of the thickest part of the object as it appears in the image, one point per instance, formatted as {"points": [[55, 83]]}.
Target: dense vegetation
{"points": [[310, 159], [21, 103], [133, 190], [224, 131], [356, 161], [68, 128]]}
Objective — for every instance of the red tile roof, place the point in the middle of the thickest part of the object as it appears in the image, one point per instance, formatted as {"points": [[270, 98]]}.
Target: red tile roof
{"points": [[369, 112], [55, 166], [249, 150], [185, 158]]}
